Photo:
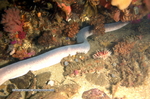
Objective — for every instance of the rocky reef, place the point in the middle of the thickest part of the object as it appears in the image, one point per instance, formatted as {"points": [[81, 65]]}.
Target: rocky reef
{"points": [[31, 27]]}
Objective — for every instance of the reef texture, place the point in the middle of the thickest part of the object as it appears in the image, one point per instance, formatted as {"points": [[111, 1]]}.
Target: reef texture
{"points": [[53, 23], [98, 24], [47, 39], [29, 27], [123, 48], [126, 65]]}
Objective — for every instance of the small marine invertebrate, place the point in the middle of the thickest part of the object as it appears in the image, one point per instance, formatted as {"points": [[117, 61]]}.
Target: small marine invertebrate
{"points": [[47, 39], [72, 29], [94, 2], [134, 12], [147, 3], [98, 24], [105, 3], [116, 15], [137, 2], [136, 21], [77, 8], [23, 53], [13, 42], [102, 54], [94, 94], [21, 35], [130, 15], [69, 1], [28, 27], [11, 21], [148, 16], [65, 8], [90, 9], [76, 72], [121, 4]]}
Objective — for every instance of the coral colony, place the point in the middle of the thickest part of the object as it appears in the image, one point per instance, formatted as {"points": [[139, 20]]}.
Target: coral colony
{"points": [[13, 24], [102, 54], [11, 20]]}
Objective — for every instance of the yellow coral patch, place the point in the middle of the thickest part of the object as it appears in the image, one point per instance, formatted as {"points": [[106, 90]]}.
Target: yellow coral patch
{"points": [[121, 4]]}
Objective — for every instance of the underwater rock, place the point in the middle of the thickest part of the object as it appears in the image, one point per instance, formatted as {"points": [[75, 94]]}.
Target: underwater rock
{"points": [[62, 92], [23, 82], [43, 78], [97, 79], [10, 87], [15, 95]]}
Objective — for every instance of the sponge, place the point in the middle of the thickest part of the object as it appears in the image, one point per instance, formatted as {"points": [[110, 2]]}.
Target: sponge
{"points": [[121, 4]]}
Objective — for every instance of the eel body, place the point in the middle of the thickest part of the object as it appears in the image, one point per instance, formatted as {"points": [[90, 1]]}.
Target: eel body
{"points": [[53, 56]]}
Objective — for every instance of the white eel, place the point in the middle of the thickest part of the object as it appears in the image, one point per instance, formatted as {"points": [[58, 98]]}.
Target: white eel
{"points": [[53, 56]]}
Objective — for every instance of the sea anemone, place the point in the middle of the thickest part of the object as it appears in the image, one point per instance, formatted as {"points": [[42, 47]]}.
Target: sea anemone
{"points": [[102, 54]]}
